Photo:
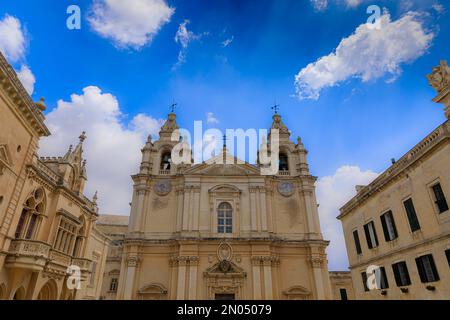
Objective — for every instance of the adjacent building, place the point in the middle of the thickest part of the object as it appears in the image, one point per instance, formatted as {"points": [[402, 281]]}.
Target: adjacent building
{"points": [[397, 228], [47, 224], [114, 227]]}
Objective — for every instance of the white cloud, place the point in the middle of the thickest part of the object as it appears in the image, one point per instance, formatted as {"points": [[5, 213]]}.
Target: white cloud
{"points": [[227, 42], [131, 23], [439, 8], [367, 54], [211, 119], [353, 3], [111, 149], [332, 193], [184, 37], [319, 5], [12, 39], [27, 78]]}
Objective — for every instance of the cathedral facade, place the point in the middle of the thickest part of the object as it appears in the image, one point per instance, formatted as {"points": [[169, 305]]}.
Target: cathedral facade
{"points": [[223, 230]]}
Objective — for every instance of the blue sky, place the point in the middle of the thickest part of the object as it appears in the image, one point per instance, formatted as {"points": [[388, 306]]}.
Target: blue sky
{"points": [[354, 123]]}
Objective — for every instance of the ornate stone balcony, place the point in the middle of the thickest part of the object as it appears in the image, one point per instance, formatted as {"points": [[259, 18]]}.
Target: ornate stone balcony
{"points": [[58, 262], [85, 266], [27, 254], [284, 173]]}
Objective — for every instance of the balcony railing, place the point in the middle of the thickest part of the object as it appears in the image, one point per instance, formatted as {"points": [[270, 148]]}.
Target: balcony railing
{"points": [[31, 248], [27, 254], [284, 173], [84, 264], [60, 258], [164, 172]]}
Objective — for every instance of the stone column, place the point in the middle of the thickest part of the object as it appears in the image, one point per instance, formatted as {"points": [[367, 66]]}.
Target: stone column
{"points": [[267, 268], [180, 196], [132, 263], [181, 287], [316, 263], [256, 271], [193, 269], [196, 208], [141, 192], [311, 211], [262, 198], [253, 220], [186, 206]]}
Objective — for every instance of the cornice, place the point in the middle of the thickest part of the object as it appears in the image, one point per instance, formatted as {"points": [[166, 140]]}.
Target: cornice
{"points": [[419, 151], [19, 96]]}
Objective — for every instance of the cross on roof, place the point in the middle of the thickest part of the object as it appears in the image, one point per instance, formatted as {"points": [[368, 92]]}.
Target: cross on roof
{"points": [[173, 106], [276, 107]]}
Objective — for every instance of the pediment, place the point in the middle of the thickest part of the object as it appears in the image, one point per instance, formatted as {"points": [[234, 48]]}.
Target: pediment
{"points": [[224, 268], [153, 288], [297, 291], [223, 170]]}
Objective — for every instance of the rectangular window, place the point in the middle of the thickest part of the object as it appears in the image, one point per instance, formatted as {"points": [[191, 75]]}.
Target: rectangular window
{"points": [[439, 197], [382, 278], [364, 280], [447, 254], [357, 243], [113, 285], [411, 214], [389, 229], [371, 235], [401, 274], [427, 269], [343, 293]]}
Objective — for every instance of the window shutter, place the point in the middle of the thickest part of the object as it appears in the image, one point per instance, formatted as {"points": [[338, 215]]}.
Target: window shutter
{"points": [[364, 280], [433, 268], [421, 270], [394, 228], [366, 231], [357, 242], [374, 233], [384, 281], [398, 279], [412, 215], [385, 227]]}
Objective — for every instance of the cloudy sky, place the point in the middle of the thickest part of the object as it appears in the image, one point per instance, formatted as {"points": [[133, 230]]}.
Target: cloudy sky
{"points": [[355, 93]]}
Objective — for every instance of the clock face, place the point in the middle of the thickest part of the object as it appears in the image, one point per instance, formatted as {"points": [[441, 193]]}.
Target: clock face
{"points": [[163, 187], [286, 188]]}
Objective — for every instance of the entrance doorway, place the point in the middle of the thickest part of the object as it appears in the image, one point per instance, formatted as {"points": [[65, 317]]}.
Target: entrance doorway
{"points": [[225, 296]]}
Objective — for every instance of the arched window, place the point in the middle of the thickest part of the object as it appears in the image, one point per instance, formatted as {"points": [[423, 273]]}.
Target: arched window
{"points": [[225, 218], [283, 162], [166, 160], [32, 210]]}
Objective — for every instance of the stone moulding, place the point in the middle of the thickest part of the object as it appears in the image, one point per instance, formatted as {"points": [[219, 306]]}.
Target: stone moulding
{"points": [[431, 141]]}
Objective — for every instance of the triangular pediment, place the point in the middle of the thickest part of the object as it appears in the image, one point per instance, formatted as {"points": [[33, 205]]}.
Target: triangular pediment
{"points": [[224, 165], [223, 170]]}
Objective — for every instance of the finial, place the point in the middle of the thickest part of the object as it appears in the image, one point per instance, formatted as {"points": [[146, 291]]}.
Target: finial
{"points": [[84, 163], [70, 148], [82, 137], [299, 140], [149, 138], [95, 197], [41, 104]]}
